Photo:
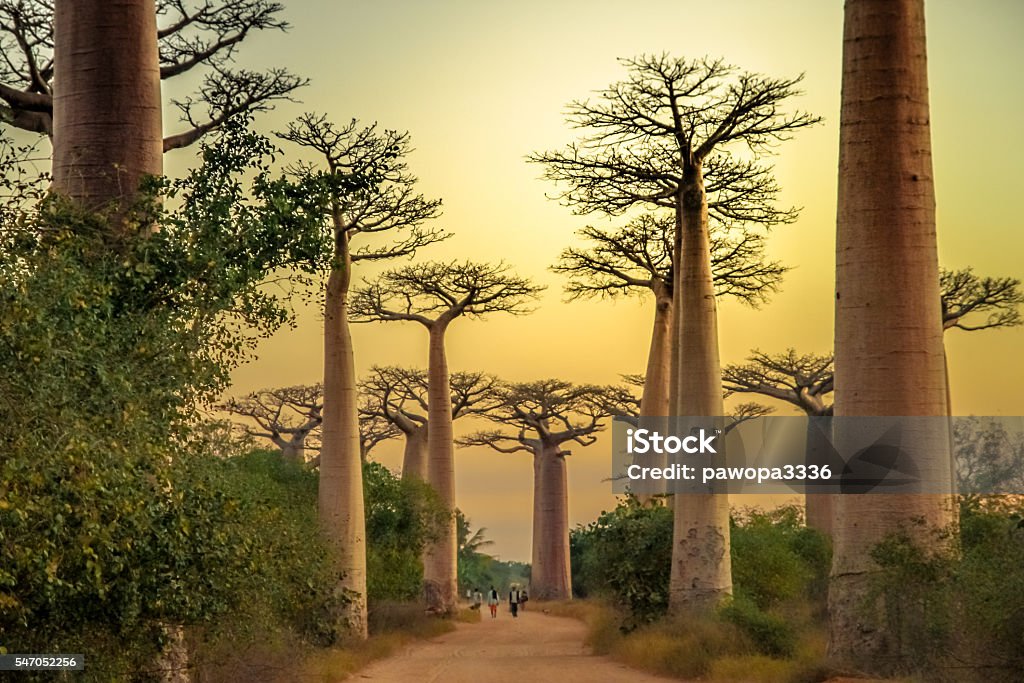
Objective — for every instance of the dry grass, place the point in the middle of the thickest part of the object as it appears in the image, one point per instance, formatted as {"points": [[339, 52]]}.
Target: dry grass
{"points": [[711, 650], [282, 658], [468, 616]]}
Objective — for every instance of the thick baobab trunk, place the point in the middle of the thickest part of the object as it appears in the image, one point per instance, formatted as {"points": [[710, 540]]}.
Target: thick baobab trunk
{"points": [[294, 451], [538, 559], [889, 354], [341, 471], [654, 399], [414, 456], [550, 576], [440, 564], [701, 561], [819, 507], [106, 103]]}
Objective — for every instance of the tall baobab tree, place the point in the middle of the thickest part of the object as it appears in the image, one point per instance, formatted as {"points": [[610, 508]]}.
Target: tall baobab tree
{"points": [[288, 416], [542, 418], [178, 36], [434, 295], [637, 258], [889, 357], [399, 396], [392, 207], [664, 137]]}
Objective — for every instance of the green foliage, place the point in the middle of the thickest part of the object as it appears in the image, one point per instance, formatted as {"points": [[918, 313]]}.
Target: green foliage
{"points": [[290, 573], [776, 558], [401, 517], [116, 516], [960, 615], [780, 570], [771, 634], [625, 555], [479, 570], [474, 567]]}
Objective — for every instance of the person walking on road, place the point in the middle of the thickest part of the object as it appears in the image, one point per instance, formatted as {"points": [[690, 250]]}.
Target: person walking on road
{"points": [[492, 602], [513, 601]]}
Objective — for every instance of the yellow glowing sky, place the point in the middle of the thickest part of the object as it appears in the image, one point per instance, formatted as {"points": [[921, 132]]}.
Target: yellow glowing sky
{"points": [[481, 84]]}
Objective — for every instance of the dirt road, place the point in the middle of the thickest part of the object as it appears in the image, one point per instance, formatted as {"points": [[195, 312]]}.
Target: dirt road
{"points": [[535, 648]]}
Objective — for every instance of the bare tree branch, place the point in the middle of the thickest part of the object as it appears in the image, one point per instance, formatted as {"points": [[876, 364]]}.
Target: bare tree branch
{"points": [[547, 414], [434, 292], [391, 205], [641, 135], [804, 381], [971, 302], [399, 395], [199, 34], [287, 416], [638, 257]]}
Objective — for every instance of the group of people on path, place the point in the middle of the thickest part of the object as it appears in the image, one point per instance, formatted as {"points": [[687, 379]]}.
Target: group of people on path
{"points": [[516, 600]]}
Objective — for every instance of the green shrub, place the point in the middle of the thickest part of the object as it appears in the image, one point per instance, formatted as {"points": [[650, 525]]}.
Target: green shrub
{"points": [[960, 615], [401, 516], [775, 558], [626, 555], [771, 634], [118, 517]]}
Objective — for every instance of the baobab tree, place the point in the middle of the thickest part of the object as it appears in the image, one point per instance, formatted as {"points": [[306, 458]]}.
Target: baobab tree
{"points": [[178, 37], [969, 302], [889, 357], [664, 137], [631, 406], [392, 207], [637, 258], [804, 381], [434, 295], [541, 418], [398, 396], [288, 416]]}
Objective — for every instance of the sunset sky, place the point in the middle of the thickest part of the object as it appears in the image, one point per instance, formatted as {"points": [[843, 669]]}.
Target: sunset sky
{"points": [[480, 85]]}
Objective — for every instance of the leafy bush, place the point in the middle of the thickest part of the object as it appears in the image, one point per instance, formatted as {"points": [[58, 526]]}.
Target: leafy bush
{"points": [[118, 518], [776, 558], [959, 616], [771, 634], [626, 555], [401, 517]]}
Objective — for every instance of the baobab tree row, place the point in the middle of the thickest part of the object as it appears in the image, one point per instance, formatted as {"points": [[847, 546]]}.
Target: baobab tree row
{"points": [[662, 137], [541, 418], [685, 135]]}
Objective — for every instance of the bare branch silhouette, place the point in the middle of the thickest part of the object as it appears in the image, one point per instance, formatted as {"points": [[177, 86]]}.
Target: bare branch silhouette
{"points": [[199, 34]]}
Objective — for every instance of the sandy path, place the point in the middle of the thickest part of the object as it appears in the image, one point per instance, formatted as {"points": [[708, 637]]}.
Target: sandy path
{"points": [[535, 648]]}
